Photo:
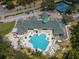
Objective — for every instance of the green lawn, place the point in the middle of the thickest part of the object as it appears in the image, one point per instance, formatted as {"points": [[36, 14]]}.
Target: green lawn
{"points": [[5, 28]]}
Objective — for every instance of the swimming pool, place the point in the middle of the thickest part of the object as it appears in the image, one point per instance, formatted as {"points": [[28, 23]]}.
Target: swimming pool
{"points": [[39, 41]]}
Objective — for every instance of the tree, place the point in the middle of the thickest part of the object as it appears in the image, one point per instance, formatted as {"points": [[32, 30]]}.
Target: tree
{"points": [[75, 35], [5, 2], [21, 2], [1, 37], [48, 4], [72, 54], [10, 5], [24, 2], [53, 57], [51, 4], [67, 19], [7, 52]]}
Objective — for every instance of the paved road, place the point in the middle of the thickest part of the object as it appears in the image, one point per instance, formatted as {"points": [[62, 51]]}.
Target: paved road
{"points": [[4, 12]]}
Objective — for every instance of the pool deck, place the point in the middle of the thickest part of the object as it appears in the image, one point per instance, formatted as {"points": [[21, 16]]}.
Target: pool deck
{"points": [[24, 40], [47, 32]]}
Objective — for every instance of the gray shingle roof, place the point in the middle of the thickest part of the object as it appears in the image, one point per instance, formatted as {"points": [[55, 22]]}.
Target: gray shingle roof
{"points": [[56, 26]]}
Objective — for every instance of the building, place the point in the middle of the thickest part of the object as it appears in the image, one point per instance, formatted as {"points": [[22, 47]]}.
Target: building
{"points": [[57, 27]]}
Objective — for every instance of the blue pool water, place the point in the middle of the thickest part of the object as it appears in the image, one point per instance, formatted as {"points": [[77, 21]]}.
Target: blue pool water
{"points": [[39, 41], [62, 7]]}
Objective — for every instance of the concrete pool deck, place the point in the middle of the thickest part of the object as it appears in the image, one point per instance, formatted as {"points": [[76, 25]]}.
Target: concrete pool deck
{"points": [[51, 44], [24, 40], [47, 32]]}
